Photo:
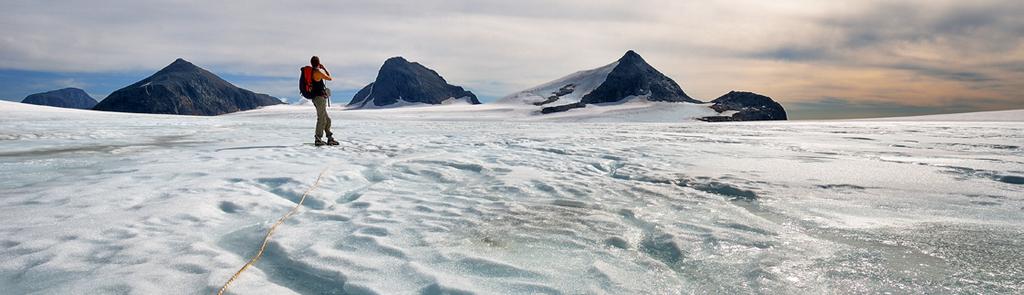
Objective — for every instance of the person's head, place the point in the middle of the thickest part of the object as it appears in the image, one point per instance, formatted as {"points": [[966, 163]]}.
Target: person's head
{"points": [[315, 61]]}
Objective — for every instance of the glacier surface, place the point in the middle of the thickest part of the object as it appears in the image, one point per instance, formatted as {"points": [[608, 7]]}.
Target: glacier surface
{"points": [[441, 201]]}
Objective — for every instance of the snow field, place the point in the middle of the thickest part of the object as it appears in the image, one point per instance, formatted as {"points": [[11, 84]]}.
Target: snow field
{"points": [[424, 202]]}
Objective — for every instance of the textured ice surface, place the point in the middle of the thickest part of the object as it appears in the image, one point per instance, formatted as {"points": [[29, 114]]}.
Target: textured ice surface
{"points": [[102, 203]]}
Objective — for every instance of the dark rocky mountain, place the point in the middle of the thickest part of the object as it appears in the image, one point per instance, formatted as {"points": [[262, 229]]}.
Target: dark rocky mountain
{"points": [[184, 89], [402, 81], [72, 98], [748, 106], [632, 76]]}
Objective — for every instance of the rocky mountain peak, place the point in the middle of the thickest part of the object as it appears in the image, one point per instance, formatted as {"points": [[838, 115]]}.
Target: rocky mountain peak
{"points": [[631, 57], [634, 77], [401, 81], [396, 61], [185, 89], [180, 65]]}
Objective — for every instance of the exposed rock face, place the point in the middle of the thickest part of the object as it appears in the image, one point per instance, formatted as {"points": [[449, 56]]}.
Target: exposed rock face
{"points": [[184, 89], [562, 108], [73, 98], [631, 77], [748, 106], [401, 81], [567, 89]]}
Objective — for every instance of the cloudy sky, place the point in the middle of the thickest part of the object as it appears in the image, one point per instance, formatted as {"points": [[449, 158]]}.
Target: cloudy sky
{"points": [[820, 59]]}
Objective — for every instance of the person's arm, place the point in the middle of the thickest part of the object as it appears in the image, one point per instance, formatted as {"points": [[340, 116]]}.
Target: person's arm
{"points": [[322, 74]]}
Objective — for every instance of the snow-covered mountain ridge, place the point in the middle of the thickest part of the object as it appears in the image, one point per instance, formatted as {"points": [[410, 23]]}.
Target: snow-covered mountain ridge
{"points": [[632, 78]]}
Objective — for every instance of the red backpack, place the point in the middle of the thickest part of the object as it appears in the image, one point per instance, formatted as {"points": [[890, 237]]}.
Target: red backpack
{"points": [[306, 82]]}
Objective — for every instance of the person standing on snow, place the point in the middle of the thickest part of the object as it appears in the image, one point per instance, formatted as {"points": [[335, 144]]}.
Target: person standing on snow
{"points": [[315, 75]]}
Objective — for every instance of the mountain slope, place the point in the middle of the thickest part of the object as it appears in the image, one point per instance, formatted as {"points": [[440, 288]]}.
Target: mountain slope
{"points": [[633, 76], [628, 78], [73, 98], [184, 89], [568, 89], [402, 82]]}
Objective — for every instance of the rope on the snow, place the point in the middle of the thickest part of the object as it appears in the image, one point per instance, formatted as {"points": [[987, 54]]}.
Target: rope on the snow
{"points": [[271, 232]]}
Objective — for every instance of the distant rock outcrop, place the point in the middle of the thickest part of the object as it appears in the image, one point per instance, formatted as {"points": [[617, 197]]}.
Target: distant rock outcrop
{"points": [[184, 89], [747, 106], [400, 81], [72, 98]]}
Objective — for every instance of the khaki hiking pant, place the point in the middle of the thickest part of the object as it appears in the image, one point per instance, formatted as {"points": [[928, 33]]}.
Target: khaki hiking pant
{"points": [[323, 122]]}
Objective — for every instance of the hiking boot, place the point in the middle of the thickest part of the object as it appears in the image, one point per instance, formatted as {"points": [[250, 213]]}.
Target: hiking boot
{"points": [[331, 141], [319, 142]]}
